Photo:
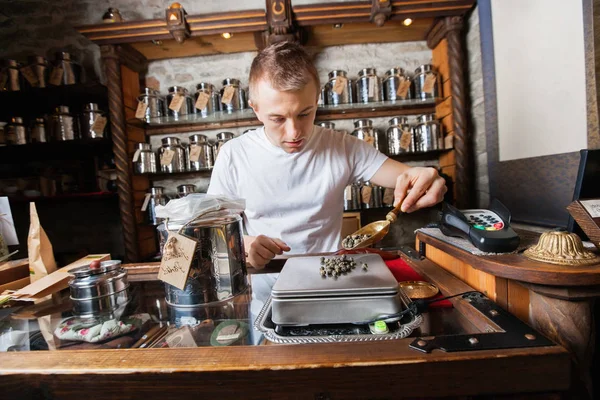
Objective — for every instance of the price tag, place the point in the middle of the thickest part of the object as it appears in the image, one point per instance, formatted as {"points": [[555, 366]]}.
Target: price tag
{"points": [[176, 260], [176, 102], [429, 83], [366, 194], [146, 201], [202, 100], [227, 95], [592, 207], [56, 76], [388, 196], [340, 84], [371, 87], [140, 111], [166, 157], [405, 140], [370, 140], [136, 155], [3, 79], [30, 75], [195, 153], [403, 87], [99, 125]]}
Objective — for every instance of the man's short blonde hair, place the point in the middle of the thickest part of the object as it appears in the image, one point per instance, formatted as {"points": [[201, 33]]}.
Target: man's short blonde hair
{"points": [[285, 65]]}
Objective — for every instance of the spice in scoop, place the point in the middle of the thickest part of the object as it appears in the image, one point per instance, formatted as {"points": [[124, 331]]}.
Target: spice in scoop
{"points": [[352, 240]]}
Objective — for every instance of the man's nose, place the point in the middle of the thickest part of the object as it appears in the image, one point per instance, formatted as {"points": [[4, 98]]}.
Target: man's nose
{"points": [[292, 129]]}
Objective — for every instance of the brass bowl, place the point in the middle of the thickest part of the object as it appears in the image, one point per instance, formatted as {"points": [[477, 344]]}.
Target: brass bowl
{"points": [[418, 289], [562, 248]]}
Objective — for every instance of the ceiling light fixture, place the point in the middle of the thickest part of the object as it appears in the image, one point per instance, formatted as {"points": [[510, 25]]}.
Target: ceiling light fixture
{"points": [[407, 21], [227, 35]]}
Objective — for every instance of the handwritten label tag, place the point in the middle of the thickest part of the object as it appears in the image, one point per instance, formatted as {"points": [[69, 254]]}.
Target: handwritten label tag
{"points": [[166, 157], [227, 95], [371, 87], [147, 198], [195, 153], [202, 100], [429, 83], [136, 155], [3, 79], [30, 75], [403, 87], [99, 125], [56, 76], [366, 194], [388, 196], [405, 140], [592, 207], [182, 337], [176, 102], [340, 84], [176, 260], [370, 140], [449, 142], [140, 111]]}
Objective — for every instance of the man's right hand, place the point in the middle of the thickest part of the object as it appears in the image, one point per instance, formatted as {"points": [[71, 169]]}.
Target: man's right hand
{"points": [[262, 249]]}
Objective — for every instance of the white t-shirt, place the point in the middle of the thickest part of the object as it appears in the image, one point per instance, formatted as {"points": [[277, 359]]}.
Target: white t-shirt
{"points": [[298, 197]]}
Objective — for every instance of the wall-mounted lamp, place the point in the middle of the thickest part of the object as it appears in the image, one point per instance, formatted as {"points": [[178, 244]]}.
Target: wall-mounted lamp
{"points": [[227, 35], [176, 22], [338, 26], [407, 22]]}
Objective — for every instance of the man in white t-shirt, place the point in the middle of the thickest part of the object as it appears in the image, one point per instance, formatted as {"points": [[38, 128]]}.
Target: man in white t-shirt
{"points": [[292, 173]]}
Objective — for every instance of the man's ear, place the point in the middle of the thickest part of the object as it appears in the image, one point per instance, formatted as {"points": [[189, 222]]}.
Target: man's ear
{"points": [[254, 106]]}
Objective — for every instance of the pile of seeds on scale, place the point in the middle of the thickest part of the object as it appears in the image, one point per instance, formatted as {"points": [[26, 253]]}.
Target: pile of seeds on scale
{"points": [[334, 267], [352, 240]]}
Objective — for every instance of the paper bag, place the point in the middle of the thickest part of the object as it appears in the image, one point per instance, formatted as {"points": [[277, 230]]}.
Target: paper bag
{"points": [[41, 257]]}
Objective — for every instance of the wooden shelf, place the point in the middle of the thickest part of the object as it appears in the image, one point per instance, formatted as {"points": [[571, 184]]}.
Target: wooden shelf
{"points": [[56, 150], [175, 175], [419, 156], [60, 197]]}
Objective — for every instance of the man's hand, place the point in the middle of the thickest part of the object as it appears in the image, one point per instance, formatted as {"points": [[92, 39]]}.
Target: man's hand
{"points": [[419, 187], [262, 249]]}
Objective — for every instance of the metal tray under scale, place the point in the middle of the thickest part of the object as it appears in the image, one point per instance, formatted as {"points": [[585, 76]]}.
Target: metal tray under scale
{"points": [[301, 296]]}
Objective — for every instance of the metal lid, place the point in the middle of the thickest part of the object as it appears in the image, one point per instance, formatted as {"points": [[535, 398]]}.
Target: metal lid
{"points": [[63, 55], [91, 107], [62, 109], [424, 68], [11, 63], [398, 121], [205, 86], [367, 71], [86, 270], [171, 141], [225, 136], [157, 190], [16, 120], [198, 139], [144, 146], [149, 92], [231, 81], [327, 125], [40, 121], [186, 188], [37, 60], [363, 123], [178, 89], [426, 118], [337, 72], [395, 71]]}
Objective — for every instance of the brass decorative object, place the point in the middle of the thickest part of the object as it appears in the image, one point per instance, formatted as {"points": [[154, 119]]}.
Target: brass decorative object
{"points": [[418, 289], [562, 248], [176, 22]]}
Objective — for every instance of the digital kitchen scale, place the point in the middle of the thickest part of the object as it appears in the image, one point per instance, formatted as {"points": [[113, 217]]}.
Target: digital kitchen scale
{"points": [[301, 296]]}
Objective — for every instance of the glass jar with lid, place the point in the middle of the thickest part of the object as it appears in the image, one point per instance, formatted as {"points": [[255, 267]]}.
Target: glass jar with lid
{"points": [[428, 134], [400, 137], [233, 97], [93, 122], [154, 104], [63, 124], [16, 132], [211, 99], [172, 155], [397, 85], [363, 129], [200, 153], [183, 105], [222, 138], [426, 83], [338, 88], [368, 86], [144, 159]]}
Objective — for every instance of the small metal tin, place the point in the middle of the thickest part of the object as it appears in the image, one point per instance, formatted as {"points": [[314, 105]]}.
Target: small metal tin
{"points": [[393, 83], [424, 91], [368, 86], [346, 95], [184, 190]]}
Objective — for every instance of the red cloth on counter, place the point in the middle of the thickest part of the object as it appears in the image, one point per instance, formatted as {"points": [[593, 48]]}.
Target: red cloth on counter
{"points": [[404, 272]]}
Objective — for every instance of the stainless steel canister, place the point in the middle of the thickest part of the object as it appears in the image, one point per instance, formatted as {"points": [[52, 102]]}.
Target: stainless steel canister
{"points": [[397, 85], [63, 124], [218, 269], [378, 196], [200, 153], [155, 196], [428, 134], [340, 93], [233, 97], [213, 103], [16, 133], [38, 131], [368, 86], [222, 138], [184, 190], [99, 292], [396, 143], [144, 159], [71, 70], [172, 155], [352, 197], [363, 129], [11, 79], [327, 125], [187, 105], [366, 195], [426, 82], [36, 72], [155, 104], [90, 115]]}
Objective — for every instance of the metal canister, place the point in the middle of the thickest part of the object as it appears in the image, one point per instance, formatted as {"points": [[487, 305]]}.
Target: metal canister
{"points": [[426, 82], [327, 125], [187, 105], [233, 97], [144, 159], [16, 132], [63, 124], [363, 129], [40, 70], [378, 196], [101, 292], [155, 104], [184, 190], [172, 155], [222, 138], [340, 93], [368, 86], [397, 85], [90, 125], [71, 70], [352, 198], [213, 102], [155, 196], [428, 134], [11, 79], [200, 153], [38, 131], [396, 142], [366, 195]]}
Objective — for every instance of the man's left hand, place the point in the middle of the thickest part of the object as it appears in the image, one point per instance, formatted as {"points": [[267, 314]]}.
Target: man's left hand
{"points": [[419, 187]]}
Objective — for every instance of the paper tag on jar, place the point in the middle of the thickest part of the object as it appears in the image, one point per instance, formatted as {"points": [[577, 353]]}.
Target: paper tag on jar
{"points": [[348, 193], [340, 84], [370, 140], [366, 194], [166, 157], [202, 100], [140, 111], [99, 125], [228, 93], [3, 79], [56, 76], [176, 102], [388, 196], [178, 253], [429, 83], [403, 87], [371, 87], [195, 153], [136, 155], [31, 77], [146, 201], [405, 140]]}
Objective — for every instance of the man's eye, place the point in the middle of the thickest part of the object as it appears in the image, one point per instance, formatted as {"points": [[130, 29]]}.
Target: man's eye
{"points": [[303, 115], [277, 120]]}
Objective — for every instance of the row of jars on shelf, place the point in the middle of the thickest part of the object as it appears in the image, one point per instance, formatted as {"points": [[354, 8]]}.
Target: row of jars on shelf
{"points": [[59, 126], [364, 195], [38, 72], [156, 196], [369, 88]]}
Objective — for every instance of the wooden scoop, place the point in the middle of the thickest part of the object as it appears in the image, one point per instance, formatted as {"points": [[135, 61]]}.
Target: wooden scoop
{"points": [[377, 229]]}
